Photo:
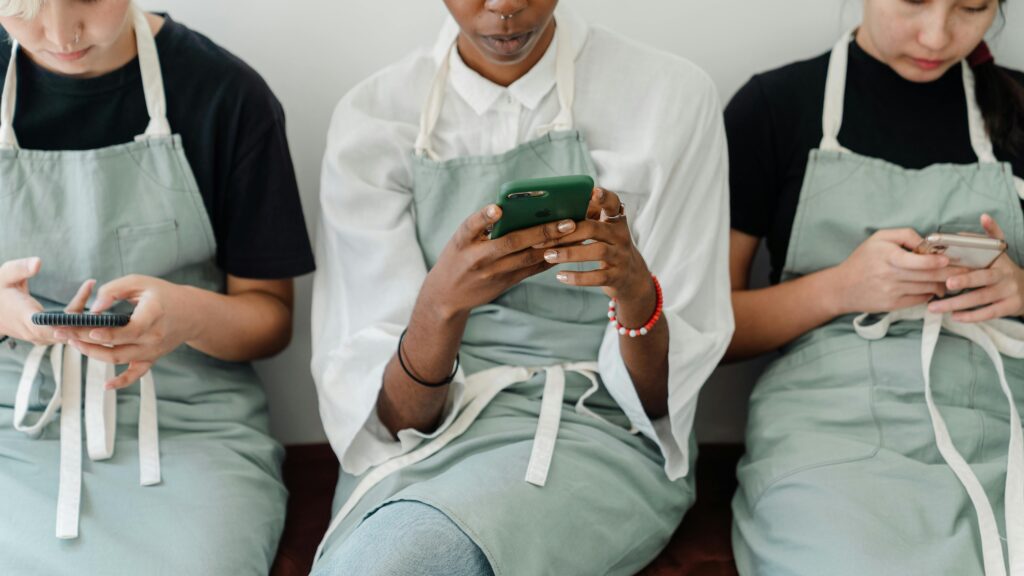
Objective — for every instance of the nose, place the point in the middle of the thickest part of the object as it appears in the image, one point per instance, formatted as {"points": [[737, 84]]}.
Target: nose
{"points": [[935, 34], [506, 8], [60, 26]]}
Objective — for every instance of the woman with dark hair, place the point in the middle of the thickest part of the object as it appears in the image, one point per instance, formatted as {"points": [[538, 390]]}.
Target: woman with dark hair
{"points": [[487, 415], [878, 444]]}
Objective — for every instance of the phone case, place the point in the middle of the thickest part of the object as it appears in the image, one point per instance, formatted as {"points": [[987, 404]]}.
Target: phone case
{"points": [[104, 320], [526, 203], [964, 250]]}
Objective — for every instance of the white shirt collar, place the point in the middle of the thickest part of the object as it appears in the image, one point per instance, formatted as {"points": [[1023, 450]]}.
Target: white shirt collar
{"points": [[481, 94]]}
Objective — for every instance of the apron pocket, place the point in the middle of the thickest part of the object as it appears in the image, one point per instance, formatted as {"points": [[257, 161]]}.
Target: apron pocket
{"points": [[149, 249]]}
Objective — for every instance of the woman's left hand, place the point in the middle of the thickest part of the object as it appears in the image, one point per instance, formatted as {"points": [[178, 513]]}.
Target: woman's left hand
{"points": [[622, 272], [996, 291], [158, 325]]}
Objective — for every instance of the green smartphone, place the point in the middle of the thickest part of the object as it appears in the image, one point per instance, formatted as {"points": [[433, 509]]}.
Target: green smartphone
{"points": [[526, 203]]}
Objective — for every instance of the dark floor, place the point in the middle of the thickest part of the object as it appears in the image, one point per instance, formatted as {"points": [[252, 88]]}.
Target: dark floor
{"points": [[700, 547]]}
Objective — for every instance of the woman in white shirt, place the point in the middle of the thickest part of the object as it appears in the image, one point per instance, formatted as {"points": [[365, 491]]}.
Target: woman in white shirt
{"points": [[434, 457]]}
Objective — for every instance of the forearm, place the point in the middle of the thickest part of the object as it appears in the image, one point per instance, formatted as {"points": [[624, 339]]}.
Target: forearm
{"points": [[429, 350], [769, 318], [646, 357], [236, 327]]}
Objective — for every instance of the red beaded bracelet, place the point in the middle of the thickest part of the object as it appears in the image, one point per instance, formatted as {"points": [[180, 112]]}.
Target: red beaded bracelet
{"points": [[646, 328]]}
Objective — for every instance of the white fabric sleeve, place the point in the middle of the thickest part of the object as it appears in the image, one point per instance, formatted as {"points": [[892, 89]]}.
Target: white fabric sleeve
{"points": [[370, 269], [682, 232]]}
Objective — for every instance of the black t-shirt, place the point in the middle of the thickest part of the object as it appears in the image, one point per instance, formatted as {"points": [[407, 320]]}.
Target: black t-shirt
{"points": [[232, 130], [774, 122]]}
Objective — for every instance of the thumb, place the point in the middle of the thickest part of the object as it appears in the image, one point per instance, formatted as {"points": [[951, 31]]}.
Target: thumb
{"points": [[15, 271], [992, 227]]}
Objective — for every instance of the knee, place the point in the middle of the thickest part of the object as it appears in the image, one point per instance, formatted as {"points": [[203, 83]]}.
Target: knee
{"points": [[405, 538]]}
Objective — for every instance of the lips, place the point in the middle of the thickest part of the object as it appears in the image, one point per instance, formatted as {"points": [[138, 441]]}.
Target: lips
{"points": [[70, 56], [508, 44], [927, 64]]}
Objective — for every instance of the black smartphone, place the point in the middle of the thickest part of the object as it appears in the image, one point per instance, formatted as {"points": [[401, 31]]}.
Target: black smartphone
{"points": [[526, 203], [86, 320]]}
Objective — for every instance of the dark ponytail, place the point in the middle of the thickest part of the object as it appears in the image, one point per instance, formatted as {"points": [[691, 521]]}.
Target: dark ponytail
{"points": [[1001, 99]]}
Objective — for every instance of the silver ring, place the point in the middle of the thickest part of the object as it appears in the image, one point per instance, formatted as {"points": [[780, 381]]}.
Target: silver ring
{"points": [[621, 215]]}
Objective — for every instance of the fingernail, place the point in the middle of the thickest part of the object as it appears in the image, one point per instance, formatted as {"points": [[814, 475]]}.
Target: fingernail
{"points": [[562, 277], [566, 226], [492, 211], [600, 194], [551, 255], [98, 336], [60, 335]]}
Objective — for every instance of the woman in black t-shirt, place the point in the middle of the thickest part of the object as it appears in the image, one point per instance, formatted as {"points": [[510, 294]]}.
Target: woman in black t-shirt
{"points": [[139, 157], [879, 444]]}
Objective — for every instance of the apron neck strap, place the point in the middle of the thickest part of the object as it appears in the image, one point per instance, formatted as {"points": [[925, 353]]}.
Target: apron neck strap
{"points": [[835, 95], [565, 80], [152, 84], [152, 78]]}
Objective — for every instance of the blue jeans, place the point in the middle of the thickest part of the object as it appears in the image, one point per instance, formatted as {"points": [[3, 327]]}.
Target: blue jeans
{"points": [[405, 538]]}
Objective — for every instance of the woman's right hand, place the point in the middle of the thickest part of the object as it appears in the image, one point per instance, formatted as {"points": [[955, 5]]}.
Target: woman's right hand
{"points": [[17, 306], [474, 270], [884, 274]]}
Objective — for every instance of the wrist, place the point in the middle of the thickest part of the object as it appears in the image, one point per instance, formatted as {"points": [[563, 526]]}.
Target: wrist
{"points": [[189, 304], [638, 308], [830, 288]]}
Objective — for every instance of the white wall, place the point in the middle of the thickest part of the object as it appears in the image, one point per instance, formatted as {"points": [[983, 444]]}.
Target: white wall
{"points": [[313, 51]]}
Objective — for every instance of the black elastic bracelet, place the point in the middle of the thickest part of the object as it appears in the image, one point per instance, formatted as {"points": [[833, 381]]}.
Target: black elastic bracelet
{"points": [[401, 361]]}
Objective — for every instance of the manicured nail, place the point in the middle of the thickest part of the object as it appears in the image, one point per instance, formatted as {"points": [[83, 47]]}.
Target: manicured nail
{"points": [[566, 226], [562, 277], [551, 255], [492, 211], [600, 194]]}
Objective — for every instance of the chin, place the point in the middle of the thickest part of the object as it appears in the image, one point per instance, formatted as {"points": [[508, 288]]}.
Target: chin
{"points": [[914, 73]]}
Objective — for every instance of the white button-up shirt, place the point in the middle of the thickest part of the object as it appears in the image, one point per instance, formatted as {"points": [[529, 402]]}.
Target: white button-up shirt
{"points": [[653, 124]]}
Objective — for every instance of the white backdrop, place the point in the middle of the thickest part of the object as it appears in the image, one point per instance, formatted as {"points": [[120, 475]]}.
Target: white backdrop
{"points": [[312, 51]]}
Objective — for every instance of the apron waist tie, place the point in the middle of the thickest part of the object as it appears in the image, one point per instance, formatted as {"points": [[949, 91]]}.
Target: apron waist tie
{"points": [[481, 388], [996, 337], [100, 423]]}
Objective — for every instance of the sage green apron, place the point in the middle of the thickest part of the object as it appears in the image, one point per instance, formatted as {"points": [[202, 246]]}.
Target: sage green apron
{"points": [[856, 433], [605, 505], [194, 433]]}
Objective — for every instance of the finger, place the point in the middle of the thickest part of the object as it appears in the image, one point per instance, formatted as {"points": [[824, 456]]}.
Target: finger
{"points": [[77, 304], [939, 276], [478, 224], [594, 208], [972, 299], [910, 261], [13, 272], [906, 237], [976, 279], [591, 278], [992, 227], [524, 273], [533, 236], [111, 354], [126, 288], [131, 375], [517, 261], [997, 310], [911, 301], [593, 252], [594, 230], [922, 288], [611, 205]]}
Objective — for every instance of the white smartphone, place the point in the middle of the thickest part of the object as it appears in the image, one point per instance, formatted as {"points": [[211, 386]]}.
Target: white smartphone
{"points": [[964, 250]]}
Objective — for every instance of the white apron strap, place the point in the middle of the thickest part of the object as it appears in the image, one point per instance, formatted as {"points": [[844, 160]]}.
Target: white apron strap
{"points": [[100, 410], [996, 337], [547, 427], [565, 74], [980, 140], [69, 492], [152, 78], [24, 392], [8, 141], [149, 433], [835, 94]]}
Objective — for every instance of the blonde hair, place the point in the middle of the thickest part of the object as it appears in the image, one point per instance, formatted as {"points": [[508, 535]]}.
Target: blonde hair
{"points": [[20, 8]]}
